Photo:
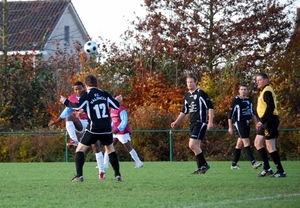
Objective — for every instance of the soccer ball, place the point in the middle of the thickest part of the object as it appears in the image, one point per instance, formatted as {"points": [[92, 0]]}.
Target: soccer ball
{"points": [[91, 47]]}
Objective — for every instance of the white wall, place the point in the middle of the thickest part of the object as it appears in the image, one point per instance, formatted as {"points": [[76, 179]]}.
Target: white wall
{"points": [[56, 41]]}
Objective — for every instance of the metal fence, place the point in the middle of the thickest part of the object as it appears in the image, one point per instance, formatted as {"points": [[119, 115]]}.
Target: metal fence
{"points": [[134, 131]]}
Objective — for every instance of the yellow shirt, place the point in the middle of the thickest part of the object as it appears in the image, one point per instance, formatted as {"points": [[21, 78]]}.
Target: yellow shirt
{"points": [[262, 105]]}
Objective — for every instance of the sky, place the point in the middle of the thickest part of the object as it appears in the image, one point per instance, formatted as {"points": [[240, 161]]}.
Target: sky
{"points": [[108, 18]]}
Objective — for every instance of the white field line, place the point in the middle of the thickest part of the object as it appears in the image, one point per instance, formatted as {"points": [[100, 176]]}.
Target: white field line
{"points": [[228, 202]]}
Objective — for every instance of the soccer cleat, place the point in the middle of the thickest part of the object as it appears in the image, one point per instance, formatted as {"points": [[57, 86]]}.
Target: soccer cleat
{"points": [[139, 165], [118, 178], [196, 171], [201, 170], [256, 165], [77, 179], [279, 175], [266, 173], [102, 176], [235, 167], [72, 143]]}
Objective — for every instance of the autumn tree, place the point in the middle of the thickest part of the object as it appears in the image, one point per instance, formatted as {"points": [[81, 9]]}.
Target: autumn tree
{"points": [[207, 34], [285, 75], [223, 42]]}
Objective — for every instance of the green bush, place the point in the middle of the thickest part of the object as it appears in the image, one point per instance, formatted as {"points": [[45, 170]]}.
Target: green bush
{"points": [[32, 148]]}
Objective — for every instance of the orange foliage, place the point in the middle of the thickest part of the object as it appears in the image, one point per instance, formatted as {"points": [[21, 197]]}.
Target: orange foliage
{"points": [[155, 91]]}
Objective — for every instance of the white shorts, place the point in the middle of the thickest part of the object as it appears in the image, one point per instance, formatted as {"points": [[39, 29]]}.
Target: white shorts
{"points": [[123, 138], [84, 123]]}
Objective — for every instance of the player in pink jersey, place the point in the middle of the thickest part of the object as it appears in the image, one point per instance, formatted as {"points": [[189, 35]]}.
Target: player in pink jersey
{"points": [[121, 132], [76, 121]]}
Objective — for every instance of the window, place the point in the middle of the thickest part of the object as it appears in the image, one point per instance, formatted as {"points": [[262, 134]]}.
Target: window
{"points": [[67, 34]]}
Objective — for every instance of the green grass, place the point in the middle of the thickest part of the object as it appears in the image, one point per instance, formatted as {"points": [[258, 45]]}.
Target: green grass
{"points": [[157, 184]]}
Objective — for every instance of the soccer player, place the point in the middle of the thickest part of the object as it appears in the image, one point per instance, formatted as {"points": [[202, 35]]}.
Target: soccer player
{"points": [[96, 104], [121, 132], [199, 106], [239, 115], [267, 127], [77, 121]]}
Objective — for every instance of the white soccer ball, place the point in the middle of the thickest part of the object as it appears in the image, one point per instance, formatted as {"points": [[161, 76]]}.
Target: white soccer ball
{"points": [[91, 47]]}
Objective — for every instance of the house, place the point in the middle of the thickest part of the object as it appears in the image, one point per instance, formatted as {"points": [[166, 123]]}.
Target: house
{"points": [[40, 27]]}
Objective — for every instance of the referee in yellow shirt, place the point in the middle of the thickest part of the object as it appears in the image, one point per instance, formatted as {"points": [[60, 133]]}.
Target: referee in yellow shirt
{"points": [[267, 127]]}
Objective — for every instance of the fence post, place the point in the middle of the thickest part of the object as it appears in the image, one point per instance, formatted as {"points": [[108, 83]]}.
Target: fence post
{"points": [[171, 146], [67, 149]]}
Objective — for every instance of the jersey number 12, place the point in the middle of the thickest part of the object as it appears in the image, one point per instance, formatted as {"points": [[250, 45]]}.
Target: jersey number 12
{"points": [[100, 108]]}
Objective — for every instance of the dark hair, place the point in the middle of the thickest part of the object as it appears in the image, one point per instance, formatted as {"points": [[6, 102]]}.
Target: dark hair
{"points": [[78, 83], [192, 76], [243, 85], [263, 75], [91, 81]]}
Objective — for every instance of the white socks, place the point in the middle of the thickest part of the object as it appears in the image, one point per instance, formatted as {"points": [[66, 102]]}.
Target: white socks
{"points": [[106, 160], [71, 130], [133, 154], [99, 159], [135, 157]]}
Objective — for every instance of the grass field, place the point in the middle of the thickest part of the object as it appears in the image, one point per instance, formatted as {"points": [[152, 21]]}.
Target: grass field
{"points": [[157, 184]]}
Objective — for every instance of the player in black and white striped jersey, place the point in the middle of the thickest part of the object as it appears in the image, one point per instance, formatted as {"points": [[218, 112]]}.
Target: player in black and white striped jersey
{"points": [[239, 115], [198, 104]]}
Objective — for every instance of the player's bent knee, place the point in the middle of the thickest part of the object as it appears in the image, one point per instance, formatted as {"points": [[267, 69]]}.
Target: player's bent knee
{"points": [[81, 147], [109, 148]]}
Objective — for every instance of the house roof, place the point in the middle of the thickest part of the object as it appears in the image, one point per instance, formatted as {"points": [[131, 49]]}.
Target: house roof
{"points": [[30, 23]]}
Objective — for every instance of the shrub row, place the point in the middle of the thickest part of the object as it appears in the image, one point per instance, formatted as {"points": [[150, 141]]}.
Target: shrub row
{"points": [[150, 147]]}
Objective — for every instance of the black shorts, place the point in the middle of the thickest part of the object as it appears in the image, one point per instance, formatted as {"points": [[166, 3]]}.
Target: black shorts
{"points": [[88, 138], [270, 128], [198, 130], [243, 128]]}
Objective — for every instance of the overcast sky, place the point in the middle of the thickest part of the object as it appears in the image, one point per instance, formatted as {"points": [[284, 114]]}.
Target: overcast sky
{"points": [[109, 18]]}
